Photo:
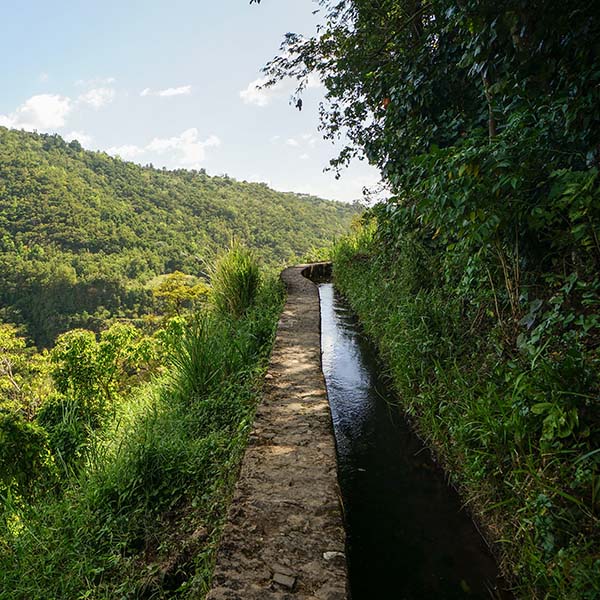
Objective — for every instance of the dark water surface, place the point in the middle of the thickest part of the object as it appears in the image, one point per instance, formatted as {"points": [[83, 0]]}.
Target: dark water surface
{"points": [[408, 537]]}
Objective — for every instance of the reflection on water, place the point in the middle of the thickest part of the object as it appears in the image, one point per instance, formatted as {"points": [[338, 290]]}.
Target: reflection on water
{"points": [[408, 538]]}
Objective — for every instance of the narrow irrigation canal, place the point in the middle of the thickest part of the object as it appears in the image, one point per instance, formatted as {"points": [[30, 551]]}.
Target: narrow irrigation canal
{"points": [[408, 538]]}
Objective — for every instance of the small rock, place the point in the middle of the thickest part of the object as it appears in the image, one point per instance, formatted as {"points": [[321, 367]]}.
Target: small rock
{"points": [[327, 509], [277, 568], [199, 535], [331, 592], [284, 580], [333, 555]]}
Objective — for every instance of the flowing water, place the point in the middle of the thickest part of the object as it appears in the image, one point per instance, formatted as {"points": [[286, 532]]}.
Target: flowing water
{"points": [[408, 536]]}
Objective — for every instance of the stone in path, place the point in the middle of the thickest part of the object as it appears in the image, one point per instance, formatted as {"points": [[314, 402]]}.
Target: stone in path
{"points": [[284, 536]]}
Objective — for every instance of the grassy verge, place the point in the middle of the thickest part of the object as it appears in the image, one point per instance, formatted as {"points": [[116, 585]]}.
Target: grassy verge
{"points": [[142, 518], [529, 474]]}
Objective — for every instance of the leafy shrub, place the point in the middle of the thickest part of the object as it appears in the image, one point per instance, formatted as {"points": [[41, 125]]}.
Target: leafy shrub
{"points": [[25, 458], [69, 424], [95, 373]]}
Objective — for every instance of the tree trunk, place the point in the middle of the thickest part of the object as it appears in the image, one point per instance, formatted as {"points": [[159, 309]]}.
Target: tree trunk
{"points": [[488, 97]]}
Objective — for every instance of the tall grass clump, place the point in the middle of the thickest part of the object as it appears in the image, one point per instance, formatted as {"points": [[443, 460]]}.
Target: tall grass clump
{"points": [[209, 351], [235, 280]]}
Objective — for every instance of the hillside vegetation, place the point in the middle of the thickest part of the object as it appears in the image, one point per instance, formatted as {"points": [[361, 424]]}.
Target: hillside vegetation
{"points": [[479, 277], [118, 452], [82, 234]]}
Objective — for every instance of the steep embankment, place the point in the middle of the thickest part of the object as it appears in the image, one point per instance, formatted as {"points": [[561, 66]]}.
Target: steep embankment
{"points": [[81, 233], [115, 483], [516, 431]]}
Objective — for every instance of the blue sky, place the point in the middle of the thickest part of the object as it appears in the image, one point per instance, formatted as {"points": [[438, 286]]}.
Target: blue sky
{"points": [[171, 83]]}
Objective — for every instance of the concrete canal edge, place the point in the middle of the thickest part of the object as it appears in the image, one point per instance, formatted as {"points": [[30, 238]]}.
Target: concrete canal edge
{"points": [[284, 536]]}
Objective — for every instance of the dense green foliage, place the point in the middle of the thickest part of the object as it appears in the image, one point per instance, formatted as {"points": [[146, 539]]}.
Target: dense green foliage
{"points": [[83, 235], [117, 486], [479, 276], [517, 432], [483, 118]]}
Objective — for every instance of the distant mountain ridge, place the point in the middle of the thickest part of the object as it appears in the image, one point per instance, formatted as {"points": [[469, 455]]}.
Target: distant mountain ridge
{"points": [[81, 232]]}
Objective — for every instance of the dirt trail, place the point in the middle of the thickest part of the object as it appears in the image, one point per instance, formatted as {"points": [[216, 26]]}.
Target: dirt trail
{"points": [[284, 537]]}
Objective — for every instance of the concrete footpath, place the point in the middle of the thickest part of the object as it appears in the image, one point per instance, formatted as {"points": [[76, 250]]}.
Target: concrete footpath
{"points": [[284, 536]]}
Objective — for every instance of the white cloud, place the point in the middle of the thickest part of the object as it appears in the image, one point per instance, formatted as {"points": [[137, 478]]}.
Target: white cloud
{"points": [[98, 97], [127, 151], [304, 156], [310, 139], [183, 90], [43, 112], [49, 112], [314, 82], [95, 82], [258, 95], [190, 149], [254, 94], [305, 140], [367, 180], [186, 150], [83, 138]]}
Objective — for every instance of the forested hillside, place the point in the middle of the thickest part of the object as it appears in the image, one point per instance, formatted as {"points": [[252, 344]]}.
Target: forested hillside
{"points": [[82, 234]]}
